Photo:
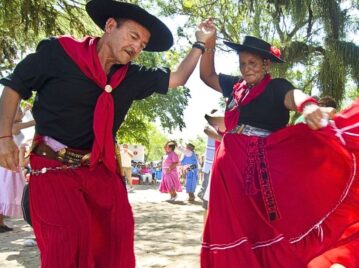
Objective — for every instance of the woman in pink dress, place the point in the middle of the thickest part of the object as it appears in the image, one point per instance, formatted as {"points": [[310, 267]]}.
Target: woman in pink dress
{"points": [[170, 182]]}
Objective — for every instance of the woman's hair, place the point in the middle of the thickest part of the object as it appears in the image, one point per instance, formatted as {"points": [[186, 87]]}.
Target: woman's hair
{"points": [[327, 101], [172, 144]]}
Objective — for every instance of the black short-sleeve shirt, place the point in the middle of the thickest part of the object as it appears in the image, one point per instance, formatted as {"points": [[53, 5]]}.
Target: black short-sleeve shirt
{"points": [[66, 98], [267, 111]]}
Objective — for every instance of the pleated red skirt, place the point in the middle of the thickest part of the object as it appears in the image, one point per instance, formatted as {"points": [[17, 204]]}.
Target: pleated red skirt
{"points": [[81, 218], [288, 200]]}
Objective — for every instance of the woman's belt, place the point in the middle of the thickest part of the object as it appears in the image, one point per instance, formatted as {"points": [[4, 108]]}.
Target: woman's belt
{"points": [[192, 167], [66, 155], [250, 131]]}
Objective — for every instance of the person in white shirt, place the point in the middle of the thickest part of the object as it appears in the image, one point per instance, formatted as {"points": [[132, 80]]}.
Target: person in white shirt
{"points": [[126, 158]]}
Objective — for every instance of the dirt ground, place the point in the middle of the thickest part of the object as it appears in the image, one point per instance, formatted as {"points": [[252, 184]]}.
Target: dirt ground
{"points": [[166, 234]]}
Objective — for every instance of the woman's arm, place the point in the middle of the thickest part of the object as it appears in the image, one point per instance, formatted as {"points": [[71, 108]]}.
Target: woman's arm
{"points": [[297, 100], [21, 125], [207, 69]]}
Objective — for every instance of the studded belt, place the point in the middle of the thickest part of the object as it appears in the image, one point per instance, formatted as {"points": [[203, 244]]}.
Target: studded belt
{"points": [[250, 131], [66, 156]]}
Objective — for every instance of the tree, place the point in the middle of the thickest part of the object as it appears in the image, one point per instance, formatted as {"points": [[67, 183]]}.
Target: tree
{"points": [[200, 145], [312, 34], [24, 23], [155, 150]]}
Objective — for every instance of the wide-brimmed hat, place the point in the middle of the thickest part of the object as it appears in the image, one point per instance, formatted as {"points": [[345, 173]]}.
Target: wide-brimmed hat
{"points": [[216, 120], [257, 46], [101, 10]]}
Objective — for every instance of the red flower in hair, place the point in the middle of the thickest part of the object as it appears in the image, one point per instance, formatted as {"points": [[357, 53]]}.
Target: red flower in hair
{"points": [[275, 51]]}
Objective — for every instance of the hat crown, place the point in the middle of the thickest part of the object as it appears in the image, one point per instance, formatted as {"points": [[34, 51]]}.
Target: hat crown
{"points": [[257, 46], [100, 10], [254, 42]]}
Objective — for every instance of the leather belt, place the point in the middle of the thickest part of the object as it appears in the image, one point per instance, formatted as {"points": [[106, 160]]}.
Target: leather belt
{"points": [[66, 155]]}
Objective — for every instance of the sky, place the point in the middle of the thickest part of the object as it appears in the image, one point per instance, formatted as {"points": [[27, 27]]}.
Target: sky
{"points": [[203, 98]]}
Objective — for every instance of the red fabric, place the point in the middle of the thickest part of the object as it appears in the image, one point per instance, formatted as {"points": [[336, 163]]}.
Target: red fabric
{"points": [[84, 54], [243, 95], [315, 182], [81, 218], [347, 126]]}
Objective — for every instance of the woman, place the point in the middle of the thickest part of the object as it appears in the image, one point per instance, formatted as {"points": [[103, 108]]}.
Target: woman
{"points": [[190, 164], [280, 196], [170, 182]]}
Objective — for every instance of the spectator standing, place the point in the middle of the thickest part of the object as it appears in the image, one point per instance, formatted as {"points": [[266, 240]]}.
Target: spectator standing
{"points": [[170, 182], [126, 158], [190, 163]]}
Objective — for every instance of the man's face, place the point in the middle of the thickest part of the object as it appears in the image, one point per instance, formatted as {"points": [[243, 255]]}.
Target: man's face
{"points": [[126, 41]]}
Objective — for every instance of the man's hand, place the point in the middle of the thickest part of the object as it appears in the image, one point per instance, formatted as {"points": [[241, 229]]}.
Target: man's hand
{"points": [[9, 154]]}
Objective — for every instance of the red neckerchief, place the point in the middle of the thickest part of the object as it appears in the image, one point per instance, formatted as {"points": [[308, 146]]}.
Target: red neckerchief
{"points": [[84, 54], [242, 95]]}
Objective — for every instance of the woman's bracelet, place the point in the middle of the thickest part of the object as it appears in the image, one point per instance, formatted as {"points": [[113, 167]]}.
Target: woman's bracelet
{"points": [[5, 136], [210, 49], [301, 106]]}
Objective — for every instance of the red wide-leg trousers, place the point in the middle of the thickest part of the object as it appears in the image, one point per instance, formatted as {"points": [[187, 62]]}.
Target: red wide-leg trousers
{"points": [[81, 217]]}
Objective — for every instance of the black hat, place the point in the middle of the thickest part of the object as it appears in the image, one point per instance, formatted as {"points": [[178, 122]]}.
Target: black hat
{"points": [[100, 10], [257, 46]]}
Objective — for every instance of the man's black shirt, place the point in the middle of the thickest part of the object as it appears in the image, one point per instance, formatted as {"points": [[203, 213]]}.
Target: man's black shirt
{"points": [[66, 98]]}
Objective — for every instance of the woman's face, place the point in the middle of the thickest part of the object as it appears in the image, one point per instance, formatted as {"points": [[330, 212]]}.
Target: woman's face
{"points": [[167, 148], [252, 67]]}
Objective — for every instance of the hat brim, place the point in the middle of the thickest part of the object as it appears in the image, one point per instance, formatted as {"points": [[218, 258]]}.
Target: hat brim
{"points": [[265, 54], [100, 11]]}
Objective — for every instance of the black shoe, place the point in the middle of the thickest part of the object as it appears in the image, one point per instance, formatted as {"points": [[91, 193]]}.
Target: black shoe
{"points": [[4, 228]]}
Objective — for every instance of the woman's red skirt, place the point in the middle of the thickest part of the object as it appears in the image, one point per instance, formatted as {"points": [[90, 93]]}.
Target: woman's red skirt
{"points": [[288, 200]]}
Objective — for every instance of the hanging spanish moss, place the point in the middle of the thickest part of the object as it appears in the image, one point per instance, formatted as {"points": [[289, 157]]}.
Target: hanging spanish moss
{"points": [[332, 75], [332, 16], [349, 52]]}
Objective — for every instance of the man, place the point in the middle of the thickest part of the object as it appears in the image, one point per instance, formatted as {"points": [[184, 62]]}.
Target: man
{"points": [[214, 137], [126, 157], [79, 207]]}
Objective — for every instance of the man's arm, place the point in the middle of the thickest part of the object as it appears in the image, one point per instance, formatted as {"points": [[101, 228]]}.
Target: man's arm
{"points": [[130, 153], [9, 152], [212, 133], [188, 64]]}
